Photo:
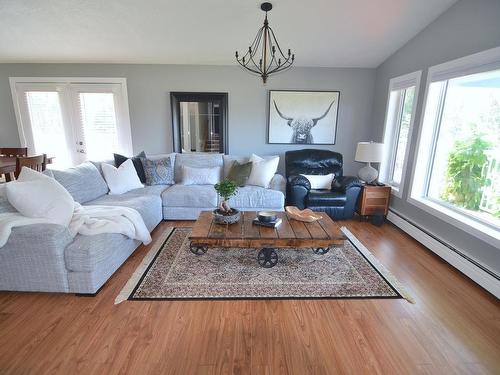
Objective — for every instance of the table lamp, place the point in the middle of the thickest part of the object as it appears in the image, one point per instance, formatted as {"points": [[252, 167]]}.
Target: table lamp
{"points": [[369, 152]]}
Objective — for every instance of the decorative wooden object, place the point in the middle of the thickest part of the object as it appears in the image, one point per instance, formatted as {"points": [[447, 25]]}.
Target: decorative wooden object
{"points": [[374, 200], [307, 215], [318, 235]]}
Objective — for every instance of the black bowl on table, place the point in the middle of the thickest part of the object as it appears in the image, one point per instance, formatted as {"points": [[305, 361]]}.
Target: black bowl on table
{"points": [[266, 216]]}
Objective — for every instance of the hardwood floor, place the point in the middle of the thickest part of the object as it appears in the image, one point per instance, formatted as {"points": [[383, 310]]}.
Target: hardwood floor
{"points": [[453, 328]]}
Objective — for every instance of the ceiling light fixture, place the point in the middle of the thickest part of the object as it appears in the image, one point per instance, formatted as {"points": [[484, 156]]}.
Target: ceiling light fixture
{"points": [[267, 49]]}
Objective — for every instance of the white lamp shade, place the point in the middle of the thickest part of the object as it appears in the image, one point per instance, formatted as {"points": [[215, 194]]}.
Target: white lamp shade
{"points": [[370, 152]]}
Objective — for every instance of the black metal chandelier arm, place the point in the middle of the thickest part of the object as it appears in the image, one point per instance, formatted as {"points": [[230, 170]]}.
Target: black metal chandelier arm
{"points": [[277, 44], [250, 69]]}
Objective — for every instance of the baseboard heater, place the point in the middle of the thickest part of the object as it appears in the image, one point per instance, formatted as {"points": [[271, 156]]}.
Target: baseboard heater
{"points": [[476, 271]]}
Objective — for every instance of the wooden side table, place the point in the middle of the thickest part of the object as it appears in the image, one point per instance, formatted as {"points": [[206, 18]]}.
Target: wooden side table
{"points": [[374, 201]]}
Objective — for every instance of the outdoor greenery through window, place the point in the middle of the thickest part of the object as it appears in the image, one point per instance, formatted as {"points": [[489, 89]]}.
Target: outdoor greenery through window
{"points": [[464, 169]]}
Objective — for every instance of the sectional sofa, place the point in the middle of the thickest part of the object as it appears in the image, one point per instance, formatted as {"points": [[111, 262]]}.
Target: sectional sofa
{"points": [[45, 257]]}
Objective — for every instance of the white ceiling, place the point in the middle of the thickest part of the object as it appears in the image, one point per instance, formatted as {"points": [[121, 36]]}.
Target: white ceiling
{"points": [[334, 33]]}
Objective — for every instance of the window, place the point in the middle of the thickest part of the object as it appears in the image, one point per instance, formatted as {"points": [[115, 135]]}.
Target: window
{"points": [[74, 119], [457, 170], [402, 101]]}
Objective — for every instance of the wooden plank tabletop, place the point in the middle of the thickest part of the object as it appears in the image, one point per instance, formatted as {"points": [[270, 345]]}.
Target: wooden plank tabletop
{"points": [[290, 233]]}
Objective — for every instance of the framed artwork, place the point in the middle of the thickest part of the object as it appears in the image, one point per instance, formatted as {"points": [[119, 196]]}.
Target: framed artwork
{"points": [[303, 117]]}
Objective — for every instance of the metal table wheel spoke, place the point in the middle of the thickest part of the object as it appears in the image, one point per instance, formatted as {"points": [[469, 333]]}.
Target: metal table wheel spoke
{"points": [[321, 250], [198, 249], [267, 257]]}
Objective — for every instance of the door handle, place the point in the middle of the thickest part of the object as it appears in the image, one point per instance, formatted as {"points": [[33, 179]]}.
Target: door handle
{"points": [[81, 151]]}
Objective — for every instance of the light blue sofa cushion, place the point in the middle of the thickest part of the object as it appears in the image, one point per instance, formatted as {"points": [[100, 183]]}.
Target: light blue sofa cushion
{"points": [[149, 190], [84, 182], [190, 196], [149, 206], [257, 197], [89, 253]]}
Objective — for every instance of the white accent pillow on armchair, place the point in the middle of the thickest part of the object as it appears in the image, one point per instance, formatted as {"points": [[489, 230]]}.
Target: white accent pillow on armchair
{"points": [[320, 182]]}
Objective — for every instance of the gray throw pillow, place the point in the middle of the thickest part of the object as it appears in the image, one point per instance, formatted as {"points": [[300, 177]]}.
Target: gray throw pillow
{"points": [[239, 173], [158, 172]]}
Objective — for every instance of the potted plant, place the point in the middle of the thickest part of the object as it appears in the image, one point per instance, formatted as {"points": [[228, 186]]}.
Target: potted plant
{"points": [[225, 214]]}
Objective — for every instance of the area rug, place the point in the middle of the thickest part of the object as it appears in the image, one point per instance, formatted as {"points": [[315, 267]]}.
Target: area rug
{"points": [[171, 271]]}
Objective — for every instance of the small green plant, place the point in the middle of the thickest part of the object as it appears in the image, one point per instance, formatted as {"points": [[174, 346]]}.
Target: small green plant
{"points": [[464, 176], [226, 189]]}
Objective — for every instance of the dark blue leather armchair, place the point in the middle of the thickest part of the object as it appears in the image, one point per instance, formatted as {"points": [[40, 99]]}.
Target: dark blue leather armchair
{"points": [[339, 202]]}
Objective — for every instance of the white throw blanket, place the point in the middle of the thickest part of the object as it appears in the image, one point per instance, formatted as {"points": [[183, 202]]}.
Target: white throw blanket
{"points": [[88, 221]]}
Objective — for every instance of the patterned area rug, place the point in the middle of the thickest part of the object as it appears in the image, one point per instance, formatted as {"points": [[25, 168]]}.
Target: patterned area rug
{"points": [[172, 271]]}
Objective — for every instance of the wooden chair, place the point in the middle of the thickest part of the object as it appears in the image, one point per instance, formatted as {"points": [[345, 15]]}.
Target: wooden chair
{"points": [[12, 152], [37, 163]]}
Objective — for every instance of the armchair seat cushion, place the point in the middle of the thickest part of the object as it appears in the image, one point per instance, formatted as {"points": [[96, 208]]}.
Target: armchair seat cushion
{"points": [[325, 198]]}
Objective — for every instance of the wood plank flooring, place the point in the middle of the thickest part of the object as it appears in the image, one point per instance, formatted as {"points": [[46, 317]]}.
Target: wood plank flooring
{"points": [[454, 327]]}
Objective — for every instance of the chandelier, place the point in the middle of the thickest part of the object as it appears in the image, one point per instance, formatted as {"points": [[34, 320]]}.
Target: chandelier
{"points": [[266, 49]]}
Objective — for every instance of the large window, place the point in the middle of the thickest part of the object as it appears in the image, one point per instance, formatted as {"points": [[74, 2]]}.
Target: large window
{"points": [[402, 101], [74, 119], [457, 166]]}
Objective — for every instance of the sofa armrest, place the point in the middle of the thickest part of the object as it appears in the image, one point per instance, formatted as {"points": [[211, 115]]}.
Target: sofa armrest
{"points": [[343, 183], [278, 182], [33, 259], [297, 189]]}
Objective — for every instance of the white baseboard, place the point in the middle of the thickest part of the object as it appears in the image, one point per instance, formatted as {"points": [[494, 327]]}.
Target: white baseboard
{"points": [[483, 278]]}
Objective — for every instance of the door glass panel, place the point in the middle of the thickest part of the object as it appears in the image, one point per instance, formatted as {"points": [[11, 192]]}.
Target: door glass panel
{"points": [[402, 137], [98, 120], [47, 126], [200, 126]]}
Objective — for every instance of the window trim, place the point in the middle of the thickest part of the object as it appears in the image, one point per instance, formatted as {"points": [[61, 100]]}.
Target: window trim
{"points": [[387, 166], [123, 112], [480, 62]]}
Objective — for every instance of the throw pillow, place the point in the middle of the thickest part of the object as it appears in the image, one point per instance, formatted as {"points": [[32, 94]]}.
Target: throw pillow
{"points": [[200, 176], [159, 171], [320, 181], [120, 159], [38, 196], [121, 179], [263, 170], [239, 173]]}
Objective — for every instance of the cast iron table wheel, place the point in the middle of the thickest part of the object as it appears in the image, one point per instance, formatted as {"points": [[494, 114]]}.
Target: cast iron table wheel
{"points": [[267, 257], [198, 249], [321, 250]]}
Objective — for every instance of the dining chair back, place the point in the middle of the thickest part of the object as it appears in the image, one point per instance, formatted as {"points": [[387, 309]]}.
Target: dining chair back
{"points": [[11, 152], [37, 163]]}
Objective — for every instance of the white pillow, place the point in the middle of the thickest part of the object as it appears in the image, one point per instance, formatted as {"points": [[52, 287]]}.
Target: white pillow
{"points": [[121, 179], [263, 170], [319, 181], [38, 196], [200, 176]]}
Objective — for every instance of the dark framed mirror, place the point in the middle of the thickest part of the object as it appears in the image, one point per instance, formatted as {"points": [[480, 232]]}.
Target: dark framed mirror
{"points": [[199, 122]]}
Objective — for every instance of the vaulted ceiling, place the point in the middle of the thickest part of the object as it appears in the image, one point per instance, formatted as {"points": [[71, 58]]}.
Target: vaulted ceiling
{"points": [[327, 33]]}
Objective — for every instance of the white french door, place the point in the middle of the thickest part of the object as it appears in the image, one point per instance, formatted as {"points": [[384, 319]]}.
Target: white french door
{"points": [[73, 122]]}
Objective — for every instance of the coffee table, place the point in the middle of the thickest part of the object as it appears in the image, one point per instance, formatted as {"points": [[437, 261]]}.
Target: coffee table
{"points": [[319, 235]]}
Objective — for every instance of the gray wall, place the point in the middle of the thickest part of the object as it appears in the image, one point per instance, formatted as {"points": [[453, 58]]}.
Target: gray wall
{"points": [[149, 101], [468, 27]]}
